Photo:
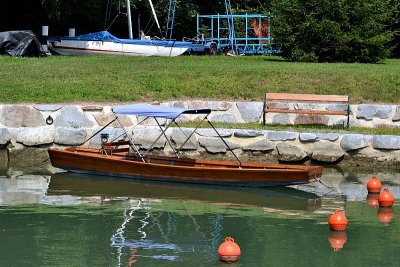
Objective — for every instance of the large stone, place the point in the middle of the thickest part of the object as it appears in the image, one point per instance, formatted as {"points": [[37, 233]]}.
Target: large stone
{"points": [[288, 152], [281, 136], [260, 145], [35, 136], [150, 121], [50, 108], [70, 136], [71, 117], [311, 137], [369, 112], [308, 137], [277, 105], [213, 105], [302, 119], [24, 157], [386, 142], [147, 136], [105, 118], [337, 107], [216, 145], [247, 133], [21, 116], [282, 119], [353, 142], [114, 134], [178, 137], [250, 111], [396, 116], [227, 118], [325, 151], [304, 106], [208, 132], [5, 136], [328, 136]]}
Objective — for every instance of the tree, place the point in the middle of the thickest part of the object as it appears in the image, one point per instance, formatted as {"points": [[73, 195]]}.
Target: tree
{"points": [[333, 31]]}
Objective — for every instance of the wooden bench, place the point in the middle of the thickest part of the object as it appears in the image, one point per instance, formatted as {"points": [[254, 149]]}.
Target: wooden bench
{"points": [[272, 99], [110, 148]]}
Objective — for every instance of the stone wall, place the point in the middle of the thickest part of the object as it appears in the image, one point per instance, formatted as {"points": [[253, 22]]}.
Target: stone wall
{"points": [[26, 131]]}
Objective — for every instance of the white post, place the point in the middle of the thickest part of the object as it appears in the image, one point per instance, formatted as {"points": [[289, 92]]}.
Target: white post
{"points": [[71, 32], [128, 12], [45, 34]]}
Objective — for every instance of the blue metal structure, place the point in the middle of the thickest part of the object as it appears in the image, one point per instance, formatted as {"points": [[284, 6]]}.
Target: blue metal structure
{"points": [[244, 34], [231, 28], [170, 19]]}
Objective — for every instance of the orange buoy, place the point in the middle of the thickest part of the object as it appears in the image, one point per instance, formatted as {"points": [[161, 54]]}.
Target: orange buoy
{"points": [[385, 215], [372, 200], [374, 186], [386, 199], [338, 221], [229, 251], [337, 240]]}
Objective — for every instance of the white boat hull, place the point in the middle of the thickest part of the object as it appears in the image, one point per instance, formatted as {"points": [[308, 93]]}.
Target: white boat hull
{"points": [[82, 47]]}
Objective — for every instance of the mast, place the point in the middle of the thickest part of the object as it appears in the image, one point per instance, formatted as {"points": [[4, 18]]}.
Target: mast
{"points": [[154, 13], [128, 12]]}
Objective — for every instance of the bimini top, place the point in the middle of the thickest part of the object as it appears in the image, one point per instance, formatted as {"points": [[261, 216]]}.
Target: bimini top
{"points": [[156, 111]]}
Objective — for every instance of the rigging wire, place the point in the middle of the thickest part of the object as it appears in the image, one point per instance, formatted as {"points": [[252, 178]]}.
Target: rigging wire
{"points": [[109, 15]]}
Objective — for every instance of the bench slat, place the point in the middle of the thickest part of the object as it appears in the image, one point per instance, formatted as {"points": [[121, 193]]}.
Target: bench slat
{"points": [[118, 143], [304, 111], [306, 97]]}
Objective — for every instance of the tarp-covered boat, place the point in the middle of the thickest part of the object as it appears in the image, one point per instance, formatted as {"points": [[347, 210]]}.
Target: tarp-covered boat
{"points": [[113, 159], [20, 44]]}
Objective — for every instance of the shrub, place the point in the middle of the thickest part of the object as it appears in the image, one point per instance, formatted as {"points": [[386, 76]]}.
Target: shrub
{"points": [[334, 31]]}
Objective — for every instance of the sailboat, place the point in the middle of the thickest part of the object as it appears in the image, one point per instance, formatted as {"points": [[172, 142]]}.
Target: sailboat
{"points": [[104, 43]]}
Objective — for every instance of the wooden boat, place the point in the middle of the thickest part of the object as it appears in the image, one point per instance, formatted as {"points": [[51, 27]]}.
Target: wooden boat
{"points": [[113, 159]]}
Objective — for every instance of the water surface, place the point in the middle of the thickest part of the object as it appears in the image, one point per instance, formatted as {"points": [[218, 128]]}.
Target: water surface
{"points": [[67, 219]]}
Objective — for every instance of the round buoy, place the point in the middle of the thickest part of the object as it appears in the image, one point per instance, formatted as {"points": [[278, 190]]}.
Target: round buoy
{"points": [[338, 221], [385, 215], [337, 240], [386, 198], [229, 251], [374, 186], [372, 200]]}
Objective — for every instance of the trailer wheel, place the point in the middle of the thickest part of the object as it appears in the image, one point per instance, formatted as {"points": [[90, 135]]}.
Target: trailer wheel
{"points": [[213, 50]]}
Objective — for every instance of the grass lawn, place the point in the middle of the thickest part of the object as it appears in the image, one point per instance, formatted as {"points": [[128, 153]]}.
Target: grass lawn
{"points": [[107, 79]]}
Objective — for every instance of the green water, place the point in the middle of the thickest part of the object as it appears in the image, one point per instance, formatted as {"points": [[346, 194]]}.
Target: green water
{"points": [[72, 220]]}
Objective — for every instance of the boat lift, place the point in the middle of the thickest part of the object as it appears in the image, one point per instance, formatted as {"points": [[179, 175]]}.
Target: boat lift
{"points": [[253, 34], [234, 34]]}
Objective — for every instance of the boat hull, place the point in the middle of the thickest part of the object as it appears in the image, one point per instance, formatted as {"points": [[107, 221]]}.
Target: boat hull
{"points": [[90, 161], [68, 47]]}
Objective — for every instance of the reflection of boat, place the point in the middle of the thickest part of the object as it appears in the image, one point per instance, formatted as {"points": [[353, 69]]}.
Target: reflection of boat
{"points": [[114, 160], [89, 185]]}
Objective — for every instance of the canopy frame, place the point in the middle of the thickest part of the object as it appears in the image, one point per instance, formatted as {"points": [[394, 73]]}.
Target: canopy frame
{"points": [[169, 113]]}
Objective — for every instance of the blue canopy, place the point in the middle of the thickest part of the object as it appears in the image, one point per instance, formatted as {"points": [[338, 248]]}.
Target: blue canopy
{"points": [[156, 111]]}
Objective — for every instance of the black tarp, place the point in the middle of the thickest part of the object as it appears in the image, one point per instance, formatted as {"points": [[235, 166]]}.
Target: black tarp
{"points": [[20, 43]]}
